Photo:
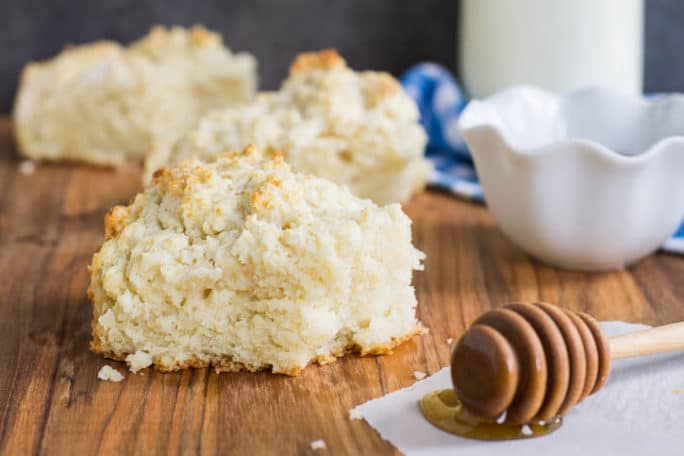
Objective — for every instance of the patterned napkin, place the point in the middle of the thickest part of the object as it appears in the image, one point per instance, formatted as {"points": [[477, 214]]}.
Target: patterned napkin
{"points": [[440, 101]]}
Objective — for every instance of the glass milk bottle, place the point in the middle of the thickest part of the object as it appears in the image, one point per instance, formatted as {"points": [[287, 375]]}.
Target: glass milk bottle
{"points": [[559, 45]]}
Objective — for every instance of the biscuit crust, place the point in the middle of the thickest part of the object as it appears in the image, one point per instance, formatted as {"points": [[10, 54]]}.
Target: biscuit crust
{"points": [[226, 363]]}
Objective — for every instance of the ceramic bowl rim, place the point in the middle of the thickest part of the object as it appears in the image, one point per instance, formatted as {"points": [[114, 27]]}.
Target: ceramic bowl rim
{"points": [[468, 125]]}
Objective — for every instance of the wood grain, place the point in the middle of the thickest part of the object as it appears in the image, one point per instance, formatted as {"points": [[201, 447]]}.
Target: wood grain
{"points": [[52, 403]]}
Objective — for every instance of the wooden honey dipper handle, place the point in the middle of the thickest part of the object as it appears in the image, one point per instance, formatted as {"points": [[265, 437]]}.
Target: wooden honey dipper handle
{"points": [[660, 339]]}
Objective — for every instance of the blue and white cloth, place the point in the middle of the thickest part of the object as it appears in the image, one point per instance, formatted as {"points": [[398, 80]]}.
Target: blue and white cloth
{"points": [[440, 101]]}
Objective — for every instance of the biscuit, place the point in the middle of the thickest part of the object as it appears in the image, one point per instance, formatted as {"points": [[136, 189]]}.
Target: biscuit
{"points": [[106, 104], [358, 129], [242, 264]]}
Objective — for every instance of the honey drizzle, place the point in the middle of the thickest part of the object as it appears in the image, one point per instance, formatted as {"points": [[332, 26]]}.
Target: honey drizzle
{"points": [[443, 410]]}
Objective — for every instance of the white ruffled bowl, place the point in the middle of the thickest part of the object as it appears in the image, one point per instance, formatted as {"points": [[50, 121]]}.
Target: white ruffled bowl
{"points": [[592, 180]]}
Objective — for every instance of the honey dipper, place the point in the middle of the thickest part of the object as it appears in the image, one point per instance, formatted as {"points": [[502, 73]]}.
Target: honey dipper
{"points": [[536, 361]]}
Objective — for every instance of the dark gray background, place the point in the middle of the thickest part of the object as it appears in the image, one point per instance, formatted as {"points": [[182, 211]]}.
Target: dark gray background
{"points": [[375, 34]]}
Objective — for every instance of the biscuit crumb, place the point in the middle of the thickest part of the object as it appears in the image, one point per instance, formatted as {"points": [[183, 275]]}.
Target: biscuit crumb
{"points": [[450, 341], [318, 445], [27, 167], [355, 414], [678, 391], [108, 373], [419, 375]]}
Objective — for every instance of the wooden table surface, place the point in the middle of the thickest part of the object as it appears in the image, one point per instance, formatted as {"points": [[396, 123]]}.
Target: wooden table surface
{"points": [[51, 401]]}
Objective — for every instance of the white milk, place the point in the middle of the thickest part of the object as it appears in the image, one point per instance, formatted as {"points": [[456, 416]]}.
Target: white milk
{"points": [[559, 45]]}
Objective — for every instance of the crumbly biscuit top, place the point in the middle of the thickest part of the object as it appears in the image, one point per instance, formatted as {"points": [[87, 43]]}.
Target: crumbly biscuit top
{"points": [[326, 59], [162, 40], [329, 71], [201, 199], [88, 55]]}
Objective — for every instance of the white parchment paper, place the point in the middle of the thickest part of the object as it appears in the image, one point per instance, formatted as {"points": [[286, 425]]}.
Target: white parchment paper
{"points": [[640, 411]]}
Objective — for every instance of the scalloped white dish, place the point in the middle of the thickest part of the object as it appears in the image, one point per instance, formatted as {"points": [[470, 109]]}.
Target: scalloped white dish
{"points": [[592, 180]]}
